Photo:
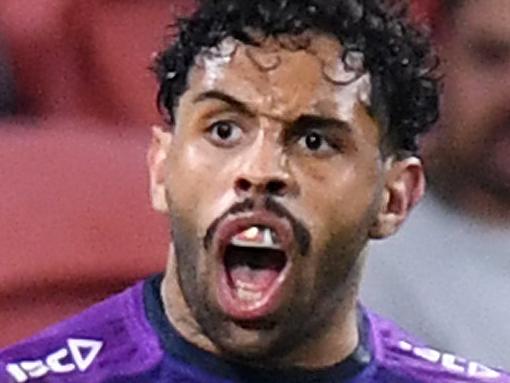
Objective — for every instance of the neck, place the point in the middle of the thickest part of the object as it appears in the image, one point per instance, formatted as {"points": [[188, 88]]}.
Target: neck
{"points": [[331, 344]]}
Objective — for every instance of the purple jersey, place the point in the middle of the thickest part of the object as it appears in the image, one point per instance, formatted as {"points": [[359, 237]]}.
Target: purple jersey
{"points": [[120, 340]]}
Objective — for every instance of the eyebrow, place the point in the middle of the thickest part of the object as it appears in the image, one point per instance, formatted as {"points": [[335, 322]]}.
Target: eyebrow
{"points": [[303, 122], [313, 121], [217, 95]]}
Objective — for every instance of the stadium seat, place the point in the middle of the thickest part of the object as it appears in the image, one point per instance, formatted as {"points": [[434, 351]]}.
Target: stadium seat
{"points": [[75, 219], [87, 58]]}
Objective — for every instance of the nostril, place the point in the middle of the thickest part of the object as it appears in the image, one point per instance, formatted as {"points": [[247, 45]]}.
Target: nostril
{"points": [[276, 187], [243, 184]]}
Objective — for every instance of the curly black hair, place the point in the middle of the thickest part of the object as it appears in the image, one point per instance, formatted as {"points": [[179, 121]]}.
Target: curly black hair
{"points": [[397, 54]]}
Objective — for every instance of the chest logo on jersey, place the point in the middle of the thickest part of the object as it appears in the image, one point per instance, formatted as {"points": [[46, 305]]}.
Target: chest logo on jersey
{"points": [[78, 355], [451, 362]]}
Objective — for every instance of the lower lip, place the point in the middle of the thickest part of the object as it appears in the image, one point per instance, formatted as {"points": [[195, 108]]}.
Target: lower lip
{"points": [[242, 310]]}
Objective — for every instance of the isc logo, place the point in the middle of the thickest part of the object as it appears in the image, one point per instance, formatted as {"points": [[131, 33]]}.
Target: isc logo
{"points": [[79, 354], [451, 362]]}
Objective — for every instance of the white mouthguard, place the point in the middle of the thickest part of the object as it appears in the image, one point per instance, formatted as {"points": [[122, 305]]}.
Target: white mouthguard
{"points": [[256, 236]]}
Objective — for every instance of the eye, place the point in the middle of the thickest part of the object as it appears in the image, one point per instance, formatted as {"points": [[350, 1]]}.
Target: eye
{"points": [[317, 143], [489, 53], [224, 133]]}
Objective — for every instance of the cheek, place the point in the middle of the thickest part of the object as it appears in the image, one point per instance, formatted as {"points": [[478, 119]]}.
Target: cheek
{"points": [[338, 203], [187, 178], [462, 115], [199, 183], [466, 98], [467, 101]]}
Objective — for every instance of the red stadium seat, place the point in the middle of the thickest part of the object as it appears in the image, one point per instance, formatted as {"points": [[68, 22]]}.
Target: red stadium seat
{"points": [[75, 220], [88, 58]]}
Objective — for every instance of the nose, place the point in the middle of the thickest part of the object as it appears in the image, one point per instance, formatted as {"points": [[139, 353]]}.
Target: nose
{"points": [[267, 186], [264, 171]]}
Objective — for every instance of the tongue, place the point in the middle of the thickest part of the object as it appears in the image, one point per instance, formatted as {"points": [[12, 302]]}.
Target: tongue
{"points": [[253, 269], [257, 280]]}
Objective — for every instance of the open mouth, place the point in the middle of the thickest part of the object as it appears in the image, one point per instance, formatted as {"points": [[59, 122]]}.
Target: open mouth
{"points": [[254, 268], [253, 265]]}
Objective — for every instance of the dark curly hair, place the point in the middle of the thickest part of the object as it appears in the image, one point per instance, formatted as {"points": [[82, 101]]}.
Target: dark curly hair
{"points": [[397, 55]]}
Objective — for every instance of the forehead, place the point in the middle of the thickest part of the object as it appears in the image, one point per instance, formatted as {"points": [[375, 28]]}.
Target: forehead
{"points": [[285, 77], [488, 16]]}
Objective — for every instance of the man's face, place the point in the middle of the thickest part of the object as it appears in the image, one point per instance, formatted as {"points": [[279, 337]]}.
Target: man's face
{"points": [[475, 122], [274, 179]]}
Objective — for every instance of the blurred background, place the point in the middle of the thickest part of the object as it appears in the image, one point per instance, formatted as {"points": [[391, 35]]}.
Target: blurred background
{"points": [[77, 100], [446, 275], [76, 104]]}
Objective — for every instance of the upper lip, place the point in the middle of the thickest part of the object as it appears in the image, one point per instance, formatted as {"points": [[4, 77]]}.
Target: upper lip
{"points": [[234, 224]]}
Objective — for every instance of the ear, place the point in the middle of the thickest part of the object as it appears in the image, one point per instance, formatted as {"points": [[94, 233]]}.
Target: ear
{"points": [[404, 187], [157, 159]]}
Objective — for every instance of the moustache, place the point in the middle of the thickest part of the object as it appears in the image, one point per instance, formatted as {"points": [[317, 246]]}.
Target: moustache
{"points": [[301, 234]]}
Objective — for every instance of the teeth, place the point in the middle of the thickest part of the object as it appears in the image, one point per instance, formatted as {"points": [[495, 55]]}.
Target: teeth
{"points": [[256, 236], [251, 233], [268, 237]]}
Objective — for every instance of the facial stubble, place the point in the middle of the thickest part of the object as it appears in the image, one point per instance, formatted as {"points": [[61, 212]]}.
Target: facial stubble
{"points": [[299, 320]]}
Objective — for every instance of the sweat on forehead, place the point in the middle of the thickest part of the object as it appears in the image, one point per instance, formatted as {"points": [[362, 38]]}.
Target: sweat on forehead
{"points": [[397, 55], [291, 79], [268, 51]]}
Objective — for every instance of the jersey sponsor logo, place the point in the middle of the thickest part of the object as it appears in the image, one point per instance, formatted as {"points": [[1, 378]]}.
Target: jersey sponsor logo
{"points": [[451, 362], [78, 355]]}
